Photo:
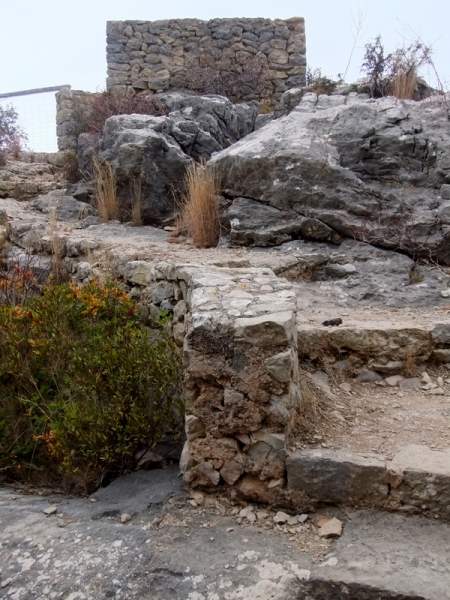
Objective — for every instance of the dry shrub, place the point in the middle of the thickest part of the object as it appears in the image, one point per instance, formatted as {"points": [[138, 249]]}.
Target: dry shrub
{"points": [[200, 210], [395, 73], [11, 135], [108, 104], [70, 167], [311, 415], [58, 271], [105, 190], [18, 281], [319, 83]]}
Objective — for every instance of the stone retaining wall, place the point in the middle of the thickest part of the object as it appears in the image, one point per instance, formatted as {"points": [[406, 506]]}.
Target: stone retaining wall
{"points": [[158, 55], [239, 337]]}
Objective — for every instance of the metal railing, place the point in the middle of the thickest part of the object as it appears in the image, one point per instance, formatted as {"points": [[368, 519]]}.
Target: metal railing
{"points": [[42, 90]]}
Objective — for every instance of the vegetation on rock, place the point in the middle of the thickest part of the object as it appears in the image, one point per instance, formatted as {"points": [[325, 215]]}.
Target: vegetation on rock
{"points": [[108, 104], [11, 136], [84, 385]]}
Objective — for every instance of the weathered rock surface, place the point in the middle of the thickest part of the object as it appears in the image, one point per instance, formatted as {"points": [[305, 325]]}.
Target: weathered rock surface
{"points": [[157, 150], [344, 167], [24, 179], [171, 550]]}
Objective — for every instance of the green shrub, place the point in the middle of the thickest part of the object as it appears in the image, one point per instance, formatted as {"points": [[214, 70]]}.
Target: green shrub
{"points": [[319, 83], [84, 385]]}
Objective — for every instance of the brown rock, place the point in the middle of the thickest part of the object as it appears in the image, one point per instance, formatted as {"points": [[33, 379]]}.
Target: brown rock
{"points": [[231, 471], [330, 527]]}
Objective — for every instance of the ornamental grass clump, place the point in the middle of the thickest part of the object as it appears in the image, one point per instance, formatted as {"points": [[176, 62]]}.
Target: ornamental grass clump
{"points": [[200, 209], [85, 386]]}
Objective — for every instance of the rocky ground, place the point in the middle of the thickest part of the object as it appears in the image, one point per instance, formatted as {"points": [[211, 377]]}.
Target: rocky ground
{"points": [[347, 313], [145, 537]]}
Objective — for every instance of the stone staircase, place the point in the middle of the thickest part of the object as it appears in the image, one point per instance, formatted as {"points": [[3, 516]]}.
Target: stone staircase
{"points": [[379, 461], [386, 439]]}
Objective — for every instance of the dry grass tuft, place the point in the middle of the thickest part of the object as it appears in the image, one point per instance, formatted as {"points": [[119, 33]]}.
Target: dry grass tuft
{"points": [[404, 84], [320, 411], [199, 210], [311, 414], [105, 190], [136, 202], [57, 249]]}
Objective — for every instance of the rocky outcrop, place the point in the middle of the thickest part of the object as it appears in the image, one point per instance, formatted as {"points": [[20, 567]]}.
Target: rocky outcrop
{"points": [[157, 150], [344, 167], [31, 175]]}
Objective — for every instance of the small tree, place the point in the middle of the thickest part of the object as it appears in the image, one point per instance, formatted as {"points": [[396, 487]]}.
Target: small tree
{"points": [[375, 66], [11, 136]]}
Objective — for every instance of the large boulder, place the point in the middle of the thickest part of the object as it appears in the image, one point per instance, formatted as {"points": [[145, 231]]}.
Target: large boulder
{"points": [[157, 150], [344, 167]]}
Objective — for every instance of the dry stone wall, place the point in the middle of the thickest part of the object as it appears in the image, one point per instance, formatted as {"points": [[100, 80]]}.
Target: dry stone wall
{"points": [[72, 108], [157, 55]]}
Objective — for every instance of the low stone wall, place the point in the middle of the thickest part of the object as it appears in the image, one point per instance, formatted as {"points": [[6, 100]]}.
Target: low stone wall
{"points": [[239, 337], [72, 108], [158, 55]]}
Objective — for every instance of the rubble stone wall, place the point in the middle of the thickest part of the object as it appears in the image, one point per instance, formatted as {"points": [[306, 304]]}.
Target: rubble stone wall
{"points": [[154, 55], [239, 337], [72, 108]]}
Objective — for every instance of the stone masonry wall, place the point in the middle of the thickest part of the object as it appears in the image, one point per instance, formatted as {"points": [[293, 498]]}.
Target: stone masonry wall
{"points": [[156, 55], [72, 107], [238, 330]]}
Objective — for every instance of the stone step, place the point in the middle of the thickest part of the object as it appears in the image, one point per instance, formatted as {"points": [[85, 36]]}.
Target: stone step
{"points": [[383, 340], [417, 480], [380, 447], [383, 556]]}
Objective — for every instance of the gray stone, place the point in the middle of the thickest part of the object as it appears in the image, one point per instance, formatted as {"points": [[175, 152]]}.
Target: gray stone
{"points": [[394, 380], [280, 366], [159, 149], [441, 334], [445, 191], [368, 376], [62, 206], [441, 355], [324, 172], [171, 54], [336, 476]]}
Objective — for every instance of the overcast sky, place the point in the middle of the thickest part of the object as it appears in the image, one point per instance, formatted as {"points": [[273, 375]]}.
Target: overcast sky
{"points": [[53, 42]]}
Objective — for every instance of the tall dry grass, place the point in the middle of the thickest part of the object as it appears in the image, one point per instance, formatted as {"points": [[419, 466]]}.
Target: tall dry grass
{"points": [[58, 271], [136, 202], [404, 84], [199, 209], [106, 198]]}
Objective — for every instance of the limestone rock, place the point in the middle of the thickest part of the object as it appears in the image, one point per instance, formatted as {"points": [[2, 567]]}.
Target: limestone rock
{"points": [[330, 528], [157, 150], [343, 167]]}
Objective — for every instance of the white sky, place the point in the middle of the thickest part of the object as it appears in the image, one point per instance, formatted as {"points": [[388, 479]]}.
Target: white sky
{"points": [[53, 42]]}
